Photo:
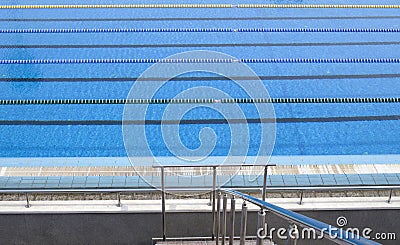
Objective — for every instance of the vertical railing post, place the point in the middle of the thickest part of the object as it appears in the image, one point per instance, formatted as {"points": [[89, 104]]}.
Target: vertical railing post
{"points": [[213, 193], [28, 205], [261, 214], [243, 224], [264, 190], [232, 235], [164, 228], [119, 199], [301, 198], [224, 213], [218, 217], [260, 227], [390, 196]]}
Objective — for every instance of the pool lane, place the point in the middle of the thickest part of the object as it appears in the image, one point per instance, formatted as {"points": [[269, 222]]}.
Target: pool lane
{"points": [[371, 135]]}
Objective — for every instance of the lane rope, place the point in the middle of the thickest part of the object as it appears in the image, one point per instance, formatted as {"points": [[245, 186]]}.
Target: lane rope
{"points": [[199, 101], [297, 6], [256, 60], [239, 30]]}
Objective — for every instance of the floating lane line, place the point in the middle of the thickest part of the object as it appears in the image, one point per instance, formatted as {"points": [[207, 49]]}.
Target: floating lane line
{"points": [[196, 6], [238, 30], [199, 101], [210, 61]]}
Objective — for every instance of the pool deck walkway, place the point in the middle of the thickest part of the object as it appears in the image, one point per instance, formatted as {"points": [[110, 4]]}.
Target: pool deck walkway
{"points": [[150, 161]]}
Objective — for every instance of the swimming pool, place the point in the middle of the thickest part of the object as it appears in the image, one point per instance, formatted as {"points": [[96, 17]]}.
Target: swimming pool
{"points": [[96, 130]]}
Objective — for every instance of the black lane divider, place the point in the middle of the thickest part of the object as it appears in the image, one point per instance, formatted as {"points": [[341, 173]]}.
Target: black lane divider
{"points": [[199, 101], [201, 121], [199, 18], [244, 78], [192, 45]]}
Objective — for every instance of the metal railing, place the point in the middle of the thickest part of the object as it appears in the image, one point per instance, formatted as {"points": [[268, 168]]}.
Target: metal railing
{"points": [[337, 235], [118, 191], [290, 216], [213, 191], [302, 189]]}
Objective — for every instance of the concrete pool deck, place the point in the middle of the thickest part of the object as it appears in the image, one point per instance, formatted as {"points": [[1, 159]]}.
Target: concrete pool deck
{"points": [[149, 171], [120, 166], [149, 161]]}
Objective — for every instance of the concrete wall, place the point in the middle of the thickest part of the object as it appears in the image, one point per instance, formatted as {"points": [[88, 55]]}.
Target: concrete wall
{"points": [[139, 228]]}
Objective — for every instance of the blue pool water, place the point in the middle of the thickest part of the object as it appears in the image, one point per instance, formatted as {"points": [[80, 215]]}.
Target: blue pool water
{"points": [[103, 81]]}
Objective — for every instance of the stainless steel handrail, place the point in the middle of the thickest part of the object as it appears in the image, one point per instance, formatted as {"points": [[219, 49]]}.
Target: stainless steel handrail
{"points": [[332, 188], [329, 232]]}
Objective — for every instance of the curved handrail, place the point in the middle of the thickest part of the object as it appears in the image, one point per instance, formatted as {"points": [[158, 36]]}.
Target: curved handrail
{"points": [[330, 232]]}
